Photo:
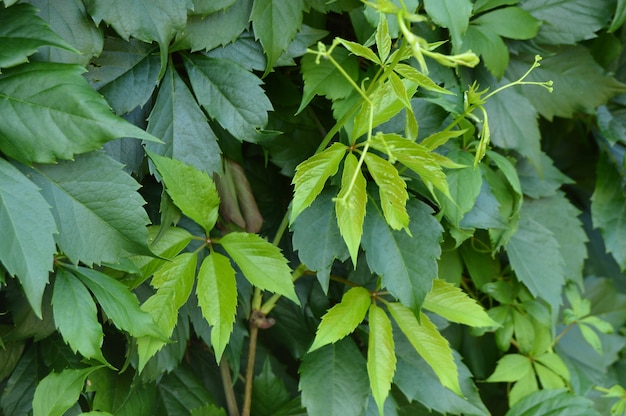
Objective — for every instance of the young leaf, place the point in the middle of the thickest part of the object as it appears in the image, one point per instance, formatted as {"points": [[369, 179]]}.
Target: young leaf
{"points": [[381, 358], [350, 205], [555, 402], [217, 296], [356, 49], [261, 263], [392, 188], [455, 305], [192, 191], [57, 392], [177, 119], [392, 254], [311, 175], [383, 40], [79, 123], [173, 282], [27, 245], [423, 81], [333, 380], [275, 24], [343, 318], [510, 368], [230, 94], [429, 343], [81, 331]]}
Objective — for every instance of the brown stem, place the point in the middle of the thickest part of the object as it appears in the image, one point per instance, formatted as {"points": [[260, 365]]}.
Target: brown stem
{"points": [[247, 398], [227, 381]]}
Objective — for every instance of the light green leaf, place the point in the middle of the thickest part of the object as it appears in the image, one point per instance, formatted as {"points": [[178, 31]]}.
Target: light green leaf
{"points": [[412, 74], [507, 168], [27, 245], [173, 282], [554, 362], [81, 331], [620, 16], [559, 402], [383, 39], [591, 337], [312, 174], [350, 205], [70, 21], [119, 304], [429, 343], [392, 188], [192, 191], [22, 32], [343, 318], [323, 78], [524, 387], [547, 378], [455, 305], [400, 90], [126, 73], [451, 14], [381, 357], [78, 123], [261, 263], [333, 380], [354, 48], [57, 392], [510, 368], [154, 21], [91, 231], [177, 119], [217, 296], [392, 254], [230, 94], [510, 22], [275, 24]]}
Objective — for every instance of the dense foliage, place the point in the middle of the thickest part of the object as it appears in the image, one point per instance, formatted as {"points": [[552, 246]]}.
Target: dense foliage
{"points": [[309, 207]]}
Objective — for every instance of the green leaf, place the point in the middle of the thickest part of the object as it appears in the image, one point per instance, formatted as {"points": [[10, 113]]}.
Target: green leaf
{"points": [[323, 77], [343, 318], [261, 263], [485, 42], [414, 75], [206, 7], [81, 331], [177, 119], [22, 32], [78, 123], [317, 239], [275, 24], [350, 205], [620, 16], [312, 174], [565, 23], [333, 380], [173, 282], [429, 343], [92, 231], [192, 191], [526, 386], [554, 362], [356, 49], [27, 245], [559, 402], [392, 188], [383, 39], [268, 392], [510, 368], [455, 305], [217, 296], [392, 254], [70, 21], [17, 395], [608, 209], [483, 5], [381, 358], [126, 73], [230, 94], [510, 22], [182, 390], [57, 392], [451, 14], [542, 179], [580, 84]]}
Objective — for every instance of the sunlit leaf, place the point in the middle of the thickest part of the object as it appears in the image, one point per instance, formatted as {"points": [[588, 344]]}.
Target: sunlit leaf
{"points": [[511, 367], [381, 357], [57, 392], [392, 188]]}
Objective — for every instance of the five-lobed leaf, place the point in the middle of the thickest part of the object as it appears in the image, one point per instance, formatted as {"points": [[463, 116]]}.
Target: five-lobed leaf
{"points": [[343, 318], [381, 357], [217, 296]]}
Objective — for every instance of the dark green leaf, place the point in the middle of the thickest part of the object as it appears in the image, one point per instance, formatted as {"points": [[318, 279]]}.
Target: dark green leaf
{"points": [[485, 42], [268, 392], [483, 5], [316, 237], [485, 213], [57, 392], [205, 7], [510, 22], [333, 380], [230, 94], [407, 264], [89, 230], [245, 51], [78, 123], [451, 14], [181, 391], [542, 180], [381, 357], [22, 32], [350, 205], [27, 244], [126, 73], [558, 402], [620, 16], [275, 24], [208, 410], [178, 120], [10, 354], [192, 191], [17, 395], [81, 331]]}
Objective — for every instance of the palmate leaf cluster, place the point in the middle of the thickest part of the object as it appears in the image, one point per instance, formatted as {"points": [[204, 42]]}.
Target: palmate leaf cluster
{"points": [[310, 207]]}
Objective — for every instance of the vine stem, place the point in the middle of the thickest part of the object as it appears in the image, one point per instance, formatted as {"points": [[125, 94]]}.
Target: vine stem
{"points": [[247, 398], [227, 381]]}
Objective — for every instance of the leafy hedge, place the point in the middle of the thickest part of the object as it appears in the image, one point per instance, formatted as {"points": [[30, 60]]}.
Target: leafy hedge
{"points": [[310, 207]]}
